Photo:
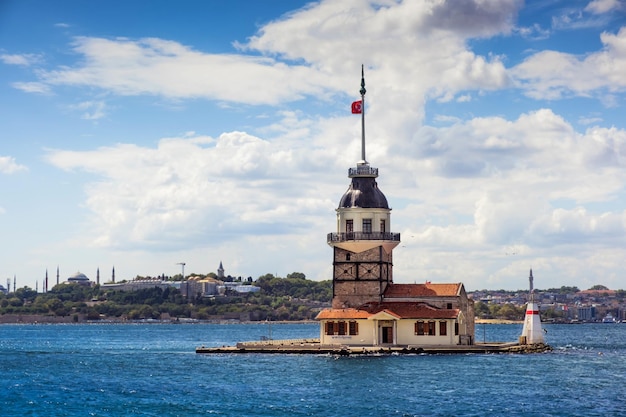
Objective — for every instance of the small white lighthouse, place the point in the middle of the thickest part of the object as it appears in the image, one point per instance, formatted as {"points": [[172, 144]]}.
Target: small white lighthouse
{"points": [[532, 332]]}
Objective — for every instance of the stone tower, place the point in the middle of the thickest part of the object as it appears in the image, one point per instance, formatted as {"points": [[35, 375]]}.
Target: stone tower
{"points": [[220, 272], [363, 244]]}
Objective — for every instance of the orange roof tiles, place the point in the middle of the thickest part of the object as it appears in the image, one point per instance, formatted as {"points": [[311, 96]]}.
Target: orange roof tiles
{"points": [[342, 313], [422, 290], [402, 310]]}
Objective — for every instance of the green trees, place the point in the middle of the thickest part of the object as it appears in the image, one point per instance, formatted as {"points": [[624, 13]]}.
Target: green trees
{"points": [[290, 298], [499, 311]]}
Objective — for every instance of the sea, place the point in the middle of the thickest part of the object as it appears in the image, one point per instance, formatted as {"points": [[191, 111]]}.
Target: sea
{"points": [[153, 370]]}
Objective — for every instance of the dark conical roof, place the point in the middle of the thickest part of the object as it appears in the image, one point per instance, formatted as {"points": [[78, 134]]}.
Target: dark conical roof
{"points": [[364, 193]]}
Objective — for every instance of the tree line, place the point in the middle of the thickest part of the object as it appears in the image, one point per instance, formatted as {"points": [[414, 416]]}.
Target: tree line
{"points": [[290, 298]]}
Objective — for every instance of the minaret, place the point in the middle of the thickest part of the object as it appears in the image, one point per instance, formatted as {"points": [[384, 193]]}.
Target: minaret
{"points": [[532, 331], [57, 274], [363, 244], [45, 286], [113, 275], [98, 276]]}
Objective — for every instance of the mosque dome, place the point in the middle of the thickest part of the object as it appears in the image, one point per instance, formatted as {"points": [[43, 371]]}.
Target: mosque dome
{"points": [[78, 278], [363, 193]]}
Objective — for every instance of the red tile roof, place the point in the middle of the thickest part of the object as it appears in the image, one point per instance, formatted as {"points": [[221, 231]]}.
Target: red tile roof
{"points": [[422, 290], [342, 313], [403, 310]]}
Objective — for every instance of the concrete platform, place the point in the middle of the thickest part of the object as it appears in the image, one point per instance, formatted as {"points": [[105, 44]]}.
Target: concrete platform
{"points": [[312, 346]]}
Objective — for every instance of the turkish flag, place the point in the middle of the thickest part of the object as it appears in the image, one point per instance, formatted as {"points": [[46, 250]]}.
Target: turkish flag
{"points": [[357, 107]]}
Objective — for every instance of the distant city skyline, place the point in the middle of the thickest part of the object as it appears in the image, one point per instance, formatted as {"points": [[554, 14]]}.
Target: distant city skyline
{"points": [[143, 135]]}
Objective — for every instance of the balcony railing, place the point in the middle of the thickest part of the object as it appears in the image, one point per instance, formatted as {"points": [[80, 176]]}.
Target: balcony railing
{"points": [[344, 237], [363, 171]]}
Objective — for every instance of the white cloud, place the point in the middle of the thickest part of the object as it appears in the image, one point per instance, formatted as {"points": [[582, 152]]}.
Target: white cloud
{"points": [[152, 66], [603, 6], [24, 60], [91, 110], [191, 189], [553, 75], [166, 68], [477, 200], [9, 166], [32, 87]]}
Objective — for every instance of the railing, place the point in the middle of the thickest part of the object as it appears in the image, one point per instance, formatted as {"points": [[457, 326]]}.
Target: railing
{"points": [[280, 342], [364, 170], [343, 237]]}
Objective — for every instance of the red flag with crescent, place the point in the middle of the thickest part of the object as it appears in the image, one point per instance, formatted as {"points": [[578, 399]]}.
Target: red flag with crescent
{"points": [[357, 107]]}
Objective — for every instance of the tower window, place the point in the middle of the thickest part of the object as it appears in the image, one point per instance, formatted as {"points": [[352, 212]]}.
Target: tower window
{"points": [[382, 226], [367, 225], [347, 256], [349, 226]]}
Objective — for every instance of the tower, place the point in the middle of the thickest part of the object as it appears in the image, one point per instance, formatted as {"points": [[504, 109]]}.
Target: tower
{"points": [[363, 243], [532, 331], [113, 275], [98, 276], [57, 274], [220, 272], [45, 285]]}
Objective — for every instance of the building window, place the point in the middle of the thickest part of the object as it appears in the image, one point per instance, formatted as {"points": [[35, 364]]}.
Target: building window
{"points": [[341, 328], [419, 328], [347, 256], [449, 306], [431, 328], [349, 226], [353, 328], [367, 225], [330, 328], [443, 328], [456, 328], [382, 226]]}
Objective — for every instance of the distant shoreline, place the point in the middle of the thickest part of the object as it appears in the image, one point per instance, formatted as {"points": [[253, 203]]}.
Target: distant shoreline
{"points": [[498, 321], [42, 319]]}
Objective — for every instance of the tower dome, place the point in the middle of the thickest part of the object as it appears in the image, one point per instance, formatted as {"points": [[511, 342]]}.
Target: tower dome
{"points": [[363, 192]]}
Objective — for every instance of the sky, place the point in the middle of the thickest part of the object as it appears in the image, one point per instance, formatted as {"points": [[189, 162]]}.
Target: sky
{"points": [[139, 135]]}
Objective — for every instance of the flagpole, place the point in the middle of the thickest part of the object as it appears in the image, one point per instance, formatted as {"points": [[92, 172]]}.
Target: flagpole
{"points": [[362, 91]]}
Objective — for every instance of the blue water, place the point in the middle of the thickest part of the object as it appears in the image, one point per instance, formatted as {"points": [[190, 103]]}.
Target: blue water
{"points": [[152, 370]]}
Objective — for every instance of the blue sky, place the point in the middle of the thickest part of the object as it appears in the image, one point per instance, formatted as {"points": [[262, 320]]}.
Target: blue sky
{"points": [[144, 134]]}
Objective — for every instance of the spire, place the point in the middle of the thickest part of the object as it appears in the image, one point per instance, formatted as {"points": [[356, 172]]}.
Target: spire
{"points": [[532, 332], [363, 91], [57, 274]]}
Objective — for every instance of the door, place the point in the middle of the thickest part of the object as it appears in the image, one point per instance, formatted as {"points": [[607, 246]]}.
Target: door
{"points": [[387, 334]]}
